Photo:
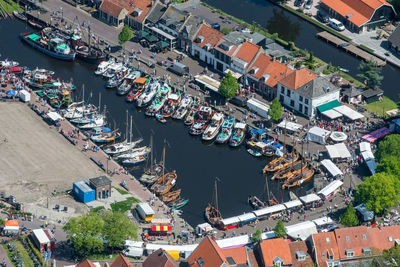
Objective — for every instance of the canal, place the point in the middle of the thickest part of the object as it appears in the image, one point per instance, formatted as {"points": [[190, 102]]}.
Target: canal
{"points": [[197, 163], [303, 34]]}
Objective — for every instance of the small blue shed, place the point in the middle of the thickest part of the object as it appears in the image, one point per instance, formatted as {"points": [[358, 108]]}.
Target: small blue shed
{"points": [[84, 192]]}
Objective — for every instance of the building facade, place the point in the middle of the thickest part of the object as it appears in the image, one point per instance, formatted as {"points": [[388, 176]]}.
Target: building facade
{"points": [[102, 186]]}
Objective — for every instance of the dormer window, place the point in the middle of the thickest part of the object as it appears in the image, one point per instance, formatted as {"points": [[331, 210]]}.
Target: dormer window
{"points": [[207, 47], [254, 70], [278, 261], [390, 239], [349, 253], [329, 255], [366, 251], [300, 255], [200, 262], [199, 39]]}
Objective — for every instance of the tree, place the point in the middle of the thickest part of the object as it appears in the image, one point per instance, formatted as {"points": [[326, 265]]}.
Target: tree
{"points": [[389, 258], [118, 228], [280, 230], [396, 5], [349, 217], [389, 146], [370, 73], [226, 30], [275, 110], [378, 192], [85, 234], [125, 35], [391, 165], [228, 86], [256, 236]]}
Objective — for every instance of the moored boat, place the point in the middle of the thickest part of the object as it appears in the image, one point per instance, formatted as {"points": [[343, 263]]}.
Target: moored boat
{"points": [[106, 137], [300, 178], [136, 89], [136, 152], [178, 204], [226, 130], [171, 196], [169, 107], [183, 107], [213, 127], [148, 94], [280, 163], [189, 119], [201, 120], [159, 100], [238, 135], [103, 66], [134, 161], [126, 85], [289, 171], [19, 15]]}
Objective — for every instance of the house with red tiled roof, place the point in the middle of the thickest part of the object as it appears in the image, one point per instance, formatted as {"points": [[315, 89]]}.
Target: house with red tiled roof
{"points": [[274, 252], [208, 254], [264, 73], [325, 251], [303, 91], [360, 15], [244, 56], [87, 263], [160, 258], [300, 255], [130, 12], [204, 42], [121, 261], [385, 237]]}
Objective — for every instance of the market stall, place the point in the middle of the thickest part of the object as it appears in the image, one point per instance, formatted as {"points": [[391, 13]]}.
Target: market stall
{"points": [[330, 189], [338, 151], [331, 167], [318, 135]]}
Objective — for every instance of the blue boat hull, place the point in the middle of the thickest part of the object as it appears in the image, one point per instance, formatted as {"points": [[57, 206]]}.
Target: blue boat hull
{"points": [[69, 57]]}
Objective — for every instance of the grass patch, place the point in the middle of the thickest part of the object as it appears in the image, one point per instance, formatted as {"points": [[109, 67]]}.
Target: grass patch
{"points": [[24, 254], [98, 208], [121, 191], [10, 6], [103, 257], [352, 80], [363, 47], [124, 205], [380, 107]]}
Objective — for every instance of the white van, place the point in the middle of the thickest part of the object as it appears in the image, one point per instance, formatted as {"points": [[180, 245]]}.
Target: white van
{"points": [[337, 25]]}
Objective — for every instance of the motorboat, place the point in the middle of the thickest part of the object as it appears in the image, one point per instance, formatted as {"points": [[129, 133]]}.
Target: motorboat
{"points": [[87, 119], [136, 89], [121, 147], [238, 134], [189, 119], [226, 130], [201, 120], [112, 70], [183, 107], [159, 100], [19, 15], [126, 85], [256, 149], [118, 78], [79, 111], [213, 127], [169, 107], [149, 93], [103, 66]]}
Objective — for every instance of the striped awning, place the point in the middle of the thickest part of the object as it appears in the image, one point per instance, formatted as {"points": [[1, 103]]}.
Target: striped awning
{"points": [[161, 228]]}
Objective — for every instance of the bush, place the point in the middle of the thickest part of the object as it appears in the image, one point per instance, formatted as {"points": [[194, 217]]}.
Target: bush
{"points": [[226, 30], [35, 251]]}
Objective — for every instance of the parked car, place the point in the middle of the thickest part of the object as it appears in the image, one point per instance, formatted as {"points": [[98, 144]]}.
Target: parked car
{"points": [[308, 4], [322, 16], [298, 2], [337, 25]]}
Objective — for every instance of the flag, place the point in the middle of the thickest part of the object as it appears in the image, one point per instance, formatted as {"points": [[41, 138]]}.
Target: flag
{"points": [[365, 82], [58, 80]]}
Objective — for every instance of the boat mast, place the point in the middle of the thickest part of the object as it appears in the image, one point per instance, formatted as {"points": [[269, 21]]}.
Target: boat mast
{"points": [[302, 153], [99, 102], [130, 135], [126, 131], [151, 153], [163, 165], [215, 194], [284, 140]]}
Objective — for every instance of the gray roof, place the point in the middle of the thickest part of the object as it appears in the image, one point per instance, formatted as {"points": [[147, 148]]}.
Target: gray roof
{"points": [[173, 18], [156, 12], [394, 38], [372, 92], [192, 26], [276, 50], [317, 88], [352, 92], [100, 181], [236, 38]]}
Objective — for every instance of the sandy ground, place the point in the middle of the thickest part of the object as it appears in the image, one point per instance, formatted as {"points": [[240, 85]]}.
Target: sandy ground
{"points": [[37, 161]]}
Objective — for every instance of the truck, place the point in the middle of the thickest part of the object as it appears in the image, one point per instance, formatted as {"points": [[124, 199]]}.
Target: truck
{"points": [[179, 68], [258, 107], [145, 211]]}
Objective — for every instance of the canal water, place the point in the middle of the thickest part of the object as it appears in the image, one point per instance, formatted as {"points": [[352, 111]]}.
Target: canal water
{"points": [[303, 34], [196, 163]]}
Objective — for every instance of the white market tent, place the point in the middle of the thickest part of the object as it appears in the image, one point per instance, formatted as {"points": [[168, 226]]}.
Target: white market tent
{"points": [[309, 198], [331, 167], [301, 230], [330, 189], [322, 221], [54, 116], [180, 248], [291, 126], [268, 235], [41, 236], [349, 113], [338, 136], [203, 227], [365, 146], [367, 155], [208, 82], [332, 114], [233, 241], [269, 210], [136, 244], [230, 221], [371, 165], [317, 135], [292, 204], [247, 217], [338, 151]]}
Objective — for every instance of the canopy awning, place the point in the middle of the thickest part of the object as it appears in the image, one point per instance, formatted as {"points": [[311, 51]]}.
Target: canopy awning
{"points": [[293, 203], [208, 82], [247, 217], [349, 113], [317, 135], [301, 230], [338, 136], [236, 241], [375, 135], [162, 33], [323, 220], [331, 167], [230, 221], [332, 114], [367, 155], [54, 116], [205, 227], [328, 106], [365, 146], [237, 75], [269, 210], [142, 34], [161, 228], [338, 151], [330, 188], [309, 198], [291, 126]]}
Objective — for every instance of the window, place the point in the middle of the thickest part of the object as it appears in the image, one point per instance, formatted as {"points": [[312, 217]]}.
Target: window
{"points": [[292, 103], [364, 236], [366, 251], [347, 238], [349, 253], [281, 98], [306, 101], [301, 108], [323, 255], [300, 255], [306, 110], [390, 239], [200, 262], [301, 98], [287, 92], [329, 255]]}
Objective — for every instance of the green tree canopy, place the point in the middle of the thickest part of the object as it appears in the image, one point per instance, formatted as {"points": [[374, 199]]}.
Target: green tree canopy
{"points": [[125, 35], [391, 165], [256, 236], [85, 233], [228, 86], [378, 192], [349, 217], [371, 73], [280, 230], [226, 30], [389, 146], [118, 228], [275, 110]]}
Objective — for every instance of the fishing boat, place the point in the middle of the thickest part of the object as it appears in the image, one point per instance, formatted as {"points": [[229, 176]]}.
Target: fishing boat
{"points": [[170, 105], [256, 203], [148, 94], [159, 100], [19, 15], [118, 78], [178, 204], [171, 196], [211, 213], [213, 127], [189, 119], [226, 130], [135, 152], [238, 134], [136, 89], [106, 137], [54, 47], [126, 85], [103, 66], [183, 107], [87, 52], [201, 120], [134, 160], [280, 163], [299, 178], [112, 70]]}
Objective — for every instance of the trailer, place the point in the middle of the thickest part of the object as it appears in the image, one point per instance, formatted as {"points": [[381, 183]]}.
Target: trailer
{"points": [[258, 107], [84, 192], [145, 211], [43, 239]]}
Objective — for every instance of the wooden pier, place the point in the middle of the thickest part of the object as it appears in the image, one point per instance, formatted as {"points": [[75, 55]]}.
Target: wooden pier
{"points": [[348, 47]]}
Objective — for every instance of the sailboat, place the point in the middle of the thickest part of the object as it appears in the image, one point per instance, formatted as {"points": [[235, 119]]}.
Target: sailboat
{"points": [[151, 174], [164, 184], [123, 146], [212, 214], [171, 196]]}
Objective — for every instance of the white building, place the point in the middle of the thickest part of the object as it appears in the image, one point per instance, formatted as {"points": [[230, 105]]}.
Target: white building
{"points": [[303, 91]]}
